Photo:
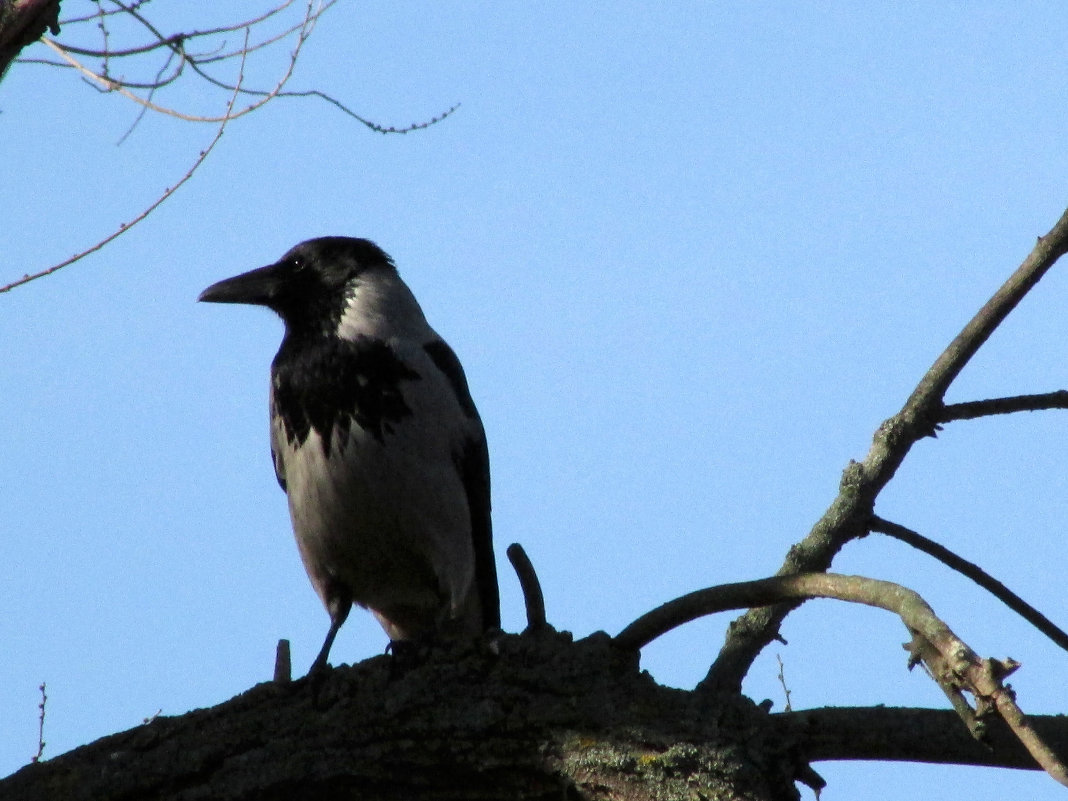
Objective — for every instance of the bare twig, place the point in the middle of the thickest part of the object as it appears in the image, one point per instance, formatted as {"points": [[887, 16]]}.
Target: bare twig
{"points": [[992, 406], [174, 40], [179, 46], [102, 12], [160, 82], [976, 574], [112, 85], [124, 227], [178, 56], [782, 681], [40, 726], [948, 659], [847, 517], [528, 580], [249, 24]]}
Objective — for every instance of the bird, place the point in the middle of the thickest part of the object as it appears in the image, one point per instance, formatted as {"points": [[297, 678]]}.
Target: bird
{"points": [[378, 445]]}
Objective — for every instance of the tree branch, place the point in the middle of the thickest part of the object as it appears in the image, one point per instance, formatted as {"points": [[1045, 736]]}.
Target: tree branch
{"points": [[533, 598], [545, 719], [911, 735], [124, 227], [112, 85], [992, 406], [848, 515], [176, 46], [948, 659], [976, 574], [913, 610]]}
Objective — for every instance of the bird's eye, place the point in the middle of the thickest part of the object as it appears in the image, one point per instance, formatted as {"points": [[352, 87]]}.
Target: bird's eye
{"points": [[297, 263]]}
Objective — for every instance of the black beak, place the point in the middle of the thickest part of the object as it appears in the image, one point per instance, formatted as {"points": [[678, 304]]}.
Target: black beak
{"points": [[260, 287]]}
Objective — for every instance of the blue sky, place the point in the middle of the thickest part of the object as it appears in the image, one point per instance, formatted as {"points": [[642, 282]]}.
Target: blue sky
{"points": [[691, 256]]}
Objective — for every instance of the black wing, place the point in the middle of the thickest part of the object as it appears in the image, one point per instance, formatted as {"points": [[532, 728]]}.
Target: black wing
{"points": [[474, 467], [473, 463]]}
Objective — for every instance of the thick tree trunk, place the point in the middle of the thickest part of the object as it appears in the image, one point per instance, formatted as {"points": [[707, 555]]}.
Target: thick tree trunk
{"points": [[543, 719], [539, 717]]}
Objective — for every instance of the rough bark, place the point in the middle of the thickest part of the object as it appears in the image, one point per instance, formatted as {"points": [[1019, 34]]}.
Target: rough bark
{"points": [[23, 22], [542, 719]]}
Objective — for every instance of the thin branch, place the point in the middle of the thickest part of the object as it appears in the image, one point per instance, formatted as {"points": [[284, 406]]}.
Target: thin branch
{"points": [[178, 44], [126, 52], [528, 581], [248, 24], [1049, 248], [124, 227], [782, 681], [40, 725], [992, 406], [1005, 700], [175, 40], [160, 82], [948, 659], [976, 574], [848, 515], [69, 21], [102, 25], [111, 85], [374, 126]]}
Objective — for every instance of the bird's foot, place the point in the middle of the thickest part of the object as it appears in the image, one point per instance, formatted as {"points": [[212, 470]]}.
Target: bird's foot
{"points": [[406, 655]]}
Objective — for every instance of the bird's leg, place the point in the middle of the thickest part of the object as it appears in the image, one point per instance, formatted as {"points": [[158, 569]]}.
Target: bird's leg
{"points": [[338, 613]]}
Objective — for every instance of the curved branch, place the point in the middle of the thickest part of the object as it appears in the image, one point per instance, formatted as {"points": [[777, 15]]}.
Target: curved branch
{"points": [[774, 590], [948, 659], [533, 598], [115, 86], [848, 515], [140, 50], [976, 574]]}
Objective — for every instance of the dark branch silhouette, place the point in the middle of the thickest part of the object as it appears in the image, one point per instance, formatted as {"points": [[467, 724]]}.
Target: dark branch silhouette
{"points": [[528, 581], [1018, 403], [976, 574]]}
